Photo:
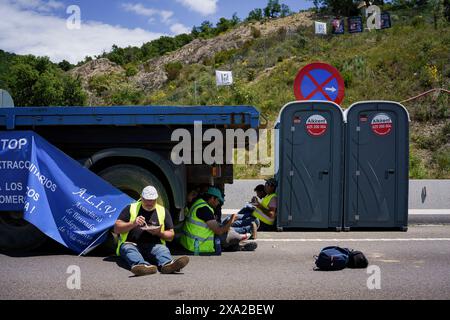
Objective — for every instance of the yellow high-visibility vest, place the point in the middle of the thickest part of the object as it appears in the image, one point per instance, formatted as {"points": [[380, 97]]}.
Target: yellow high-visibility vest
{"points": [[195, 228], [134, 210], [258, 213]]}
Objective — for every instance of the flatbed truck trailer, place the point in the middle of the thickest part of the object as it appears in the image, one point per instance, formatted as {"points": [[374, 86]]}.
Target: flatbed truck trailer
{"points": [[128, 146]]}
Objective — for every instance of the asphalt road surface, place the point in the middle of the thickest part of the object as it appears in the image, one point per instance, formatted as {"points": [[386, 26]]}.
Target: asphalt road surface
{"points": [[403, 265]]}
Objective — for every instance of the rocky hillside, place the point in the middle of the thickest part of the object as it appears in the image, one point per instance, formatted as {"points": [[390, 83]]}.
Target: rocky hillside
{"points": [[152, 75], [92, 69]]}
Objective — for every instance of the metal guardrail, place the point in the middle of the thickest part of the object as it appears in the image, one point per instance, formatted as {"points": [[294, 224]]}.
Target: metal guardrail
{"points": [[423, 194]]}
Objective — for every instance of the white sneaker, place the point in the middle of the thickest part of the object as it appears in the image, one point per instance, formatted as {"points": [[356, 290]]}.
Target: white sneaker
{"points": [[254, 230], [246, 236]]}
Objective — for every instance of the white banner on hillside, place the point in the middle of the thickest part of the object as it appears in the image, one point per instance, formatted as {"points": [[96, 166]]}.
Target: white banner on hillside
{"points": [[320, 27], [224, 78]]}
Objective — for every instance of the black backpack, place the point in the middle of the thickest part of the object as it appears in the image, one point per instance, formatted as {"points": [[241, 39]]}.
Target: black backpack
{"points": [[357, 259], [337, 258], [332, 258]]}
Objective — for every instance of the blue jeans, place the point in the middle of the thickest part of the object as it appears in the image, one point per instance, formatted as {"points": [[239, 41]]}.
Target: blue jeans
{"points": [[156, 253], [245, 212], [243, 224]]}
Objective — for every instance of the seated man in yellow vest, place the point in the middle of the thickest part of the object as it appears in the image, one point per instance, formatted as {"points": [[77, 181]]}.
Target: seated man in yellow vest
{"points": [[263, 216], [201, 227], [143, 229]]}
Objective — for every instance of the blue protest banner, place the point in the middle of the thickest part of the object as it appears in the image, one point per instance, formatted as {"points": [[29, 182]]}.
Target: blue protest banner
{"points": [[14, 166], [355, 24], [64, 200], [385, 20], [337, 26]]}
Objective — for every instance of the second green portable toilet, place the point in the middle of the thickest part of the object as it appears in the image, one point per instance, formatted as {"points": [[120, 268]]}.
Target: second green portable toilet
{"points": [[376, 165]]}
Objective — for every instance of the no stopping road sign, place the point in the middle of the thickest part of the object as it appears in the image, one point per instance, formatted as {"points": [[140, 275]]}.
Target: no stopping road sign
{"points": [[319, 81]]}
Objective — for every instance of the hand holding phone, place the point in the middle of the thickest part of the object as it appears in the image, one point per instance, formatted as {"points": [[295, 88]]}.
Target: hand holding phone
{"points": [[154, 230]]}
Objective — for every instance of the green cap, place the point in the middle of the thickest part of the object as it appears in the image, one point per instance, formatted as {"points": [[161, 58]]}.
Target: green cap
{"points": [[216, 193], [272, 182]]}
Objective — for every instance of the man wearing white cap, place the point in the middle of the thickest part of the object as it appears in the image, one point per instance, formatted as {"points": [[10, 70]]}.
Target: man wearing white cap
{"points": [[143, 228]]}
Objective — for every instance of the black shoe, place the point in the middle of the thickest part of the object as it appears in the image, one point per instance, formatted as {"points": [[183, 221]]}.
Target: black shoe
{"points": [[143, 269], [248, 246], [175, 265]]}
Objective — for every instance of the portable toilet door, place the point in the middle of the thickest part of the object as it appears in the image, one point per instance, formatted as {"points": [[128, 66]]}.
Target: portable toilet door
{"points": [[5, 99], [310, 165], [376, 165]]}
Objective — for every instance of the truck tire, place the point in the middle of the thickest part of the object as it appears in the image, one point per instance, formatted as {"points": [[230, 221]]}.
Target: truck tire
{"points": [[130, 179], [17, 235]]}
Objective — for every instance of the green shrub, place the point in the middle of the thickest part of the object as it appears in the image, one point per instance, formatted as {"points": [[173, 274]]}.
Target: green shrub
{"points": [[100, 84], [256, 33], [281, 33], [131, 70], [223, 56], [36, 81], [348, 78], [442, 159], [300, 41], [251, 74], [446, 131], [173, 70], [126, 95], [416, 168], [417, 21]]}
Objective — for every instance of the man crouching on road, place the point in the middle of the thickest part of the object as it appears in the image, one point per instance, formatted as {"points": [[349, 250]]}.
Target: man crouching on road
{"points": [[143, 228]]}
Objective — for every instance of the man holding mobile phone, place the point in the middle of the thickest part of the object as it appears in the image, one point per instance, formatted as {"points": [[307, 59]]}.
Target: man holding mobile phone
{"points": [[143, 228], [261, 215]]}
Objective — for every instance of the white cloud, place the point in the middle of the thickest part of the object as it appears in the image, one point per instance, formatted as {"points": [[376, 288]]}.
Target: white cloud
{"points": [[141, 10], [204, 7], [165, 15], [179, 28], [38, 5], [28, 32]]}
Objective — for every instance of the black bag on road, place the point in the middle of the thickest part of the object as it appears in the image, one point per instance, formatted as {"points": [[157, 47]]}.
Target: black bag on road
{"points": [[357, 259], [337, 258]]}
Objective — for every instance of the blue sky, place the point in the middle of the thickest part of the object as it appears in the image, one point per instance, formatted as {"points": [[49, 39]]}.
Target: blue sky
{"points": [[188, 13], [40, 27]]}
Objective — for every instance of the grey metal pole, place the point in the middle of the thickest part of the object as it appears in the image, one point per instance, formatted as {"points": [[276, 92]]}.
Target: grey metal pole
{"points": [[195, 92]]}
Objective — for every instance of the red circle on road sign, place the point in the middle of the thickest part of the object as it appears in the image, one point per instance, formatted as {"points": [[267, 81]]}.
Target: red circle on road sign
{"points": [[381, 124], [305, 73], [316, 125]]}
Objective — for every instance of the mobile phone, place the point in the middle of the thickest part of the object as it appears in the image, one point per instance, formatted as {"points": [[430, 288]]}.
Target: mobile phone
{"points": [[151, 227]]}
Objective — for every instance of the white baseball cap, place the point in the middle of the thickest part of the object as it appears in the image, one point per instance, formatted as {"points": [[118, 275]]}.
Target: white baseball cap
{"points": [[149, 193]]}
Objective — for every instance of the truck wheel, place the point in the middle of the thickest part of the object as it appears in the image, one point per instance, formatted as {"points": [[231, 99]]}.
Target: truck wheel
{"points": [[16, 234], [131, 179]]}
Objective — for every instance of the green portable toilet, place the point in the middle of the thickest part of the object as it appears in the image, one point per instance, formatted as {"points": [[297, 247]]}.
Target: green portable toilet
{"points": [[309, 165], [5, 99], [376, 165]]}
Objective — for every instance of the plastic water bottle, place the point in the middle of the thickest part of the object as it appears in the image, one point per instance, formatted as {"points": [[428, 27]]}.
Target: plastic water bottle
{"points": [[196, 247], [218, 246]]}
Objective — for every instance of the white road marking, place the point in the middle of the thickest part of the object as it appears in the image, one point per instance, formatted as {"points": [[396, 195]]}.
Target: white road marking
{"points": [[354, 240], [410, 211], [429, 211]]}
